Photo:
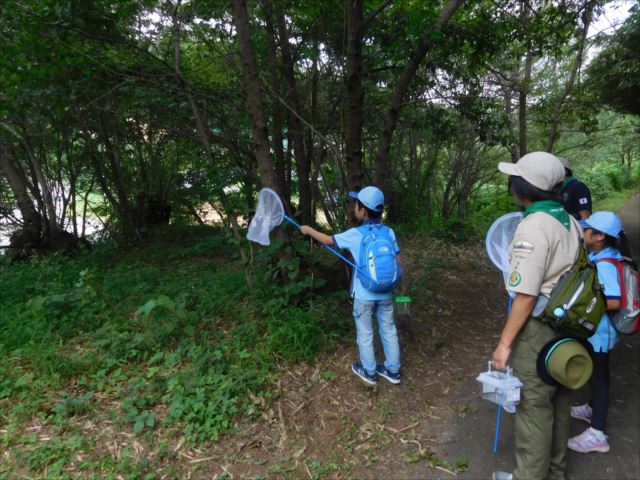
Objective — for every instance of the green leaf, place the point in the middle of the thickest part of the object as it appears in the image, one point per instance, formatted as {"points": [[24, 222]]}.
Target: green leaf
{"points": [[138, 426], [146, 308]]}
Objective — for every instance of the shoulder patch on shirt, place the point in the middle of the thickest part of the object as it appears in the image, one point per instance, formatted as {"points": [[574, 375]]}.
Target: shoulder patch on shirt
{"points": [[523, 246], [514, 279]]}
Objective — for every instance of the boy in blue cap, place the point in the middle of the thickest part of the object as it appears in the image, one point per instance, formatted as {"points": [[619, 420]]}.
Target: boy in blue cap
{"points": [[368, 209]]}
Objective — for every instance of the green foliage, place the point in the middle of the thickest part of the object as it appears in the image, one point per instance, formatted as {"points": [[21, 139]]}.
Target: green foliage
{"points": [[71, 405], [53, 455], [605, 178], [614, 75], [297, 334], [170, 330], [614, 201], [491, 201], [283, 274]]}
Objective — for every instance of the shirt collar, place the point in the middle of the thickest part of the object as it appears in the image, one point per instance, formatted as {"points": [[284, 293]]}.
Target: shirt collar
{"points": [[550, 207], [608, 252], [371, 221]]}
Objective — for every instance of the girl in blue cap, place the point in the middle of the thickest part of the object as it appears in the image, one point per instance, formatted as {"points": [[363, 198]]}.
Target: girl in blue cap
{"points": [[605, 239]]}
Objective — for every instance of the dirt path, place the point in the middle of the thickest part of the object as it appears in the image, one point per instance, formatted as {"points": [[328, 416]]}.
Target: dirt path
{"points": [[472, 434], [322, 422]]}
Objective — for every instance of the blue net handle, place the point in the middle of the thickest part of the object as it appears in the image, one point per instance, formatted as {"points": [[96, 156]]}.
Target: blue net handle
{"points": [[335, 252]]}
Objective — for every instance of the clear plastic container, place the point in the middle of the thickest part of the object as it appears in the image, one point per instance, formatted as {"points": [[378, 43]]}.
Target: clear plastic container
{"points": [[403, 305], [502, 388]]}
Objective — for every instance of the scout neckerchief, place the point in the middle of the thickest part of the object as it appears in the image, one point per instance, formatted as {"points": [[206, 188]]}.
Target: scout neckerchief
{"points": [[566, 182], [550, 207]]}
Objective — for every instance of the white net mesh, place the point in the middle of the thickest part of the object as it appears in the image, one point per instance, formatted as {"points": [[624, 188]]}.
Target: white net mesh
{"points": [[498, 239], [269, 214]]}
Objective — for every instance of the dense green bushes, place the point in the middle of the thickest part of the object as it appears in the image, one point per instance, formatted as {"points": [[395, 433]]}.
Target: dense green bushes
{"points": [[605, 178], [171, 324]]}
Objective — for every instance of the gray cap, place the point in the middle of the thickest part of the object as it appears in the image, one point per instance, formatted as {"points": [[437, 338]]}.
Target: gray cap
{"points": [[540, 169]]}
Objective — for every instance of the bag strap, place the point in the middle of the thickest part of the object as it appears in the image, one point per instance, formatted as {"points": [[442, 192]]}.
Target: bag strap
{"points": [[620, 263], [369, 227], [613, 261], [583, 258]]}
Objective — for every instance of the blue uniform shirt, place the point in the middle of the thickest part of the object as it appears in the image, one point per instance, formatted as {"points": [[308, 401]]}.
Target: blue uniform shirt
{"points": [[606, 336], [350, 240]]}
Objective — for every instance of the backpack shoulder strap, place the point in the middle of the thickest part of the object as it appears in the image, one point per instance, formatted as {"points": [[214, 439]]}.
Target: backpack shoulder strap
{"points": [[629, 261], [582, 257], [621, 263], [578, 227], [371, 227], [613, 261]]}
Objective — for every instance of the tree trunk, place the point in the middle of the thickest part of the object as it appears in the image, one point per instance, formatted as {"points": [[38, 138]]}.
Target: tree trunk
{"points": [[117, 177], [296, 131], [354, 114], [400, 89], [254, 95], [522, 105], [100, 175], [30, 216], [555, 121], [48, 212], [277, 114], [508, 111], [86, 206], [523, 87]]}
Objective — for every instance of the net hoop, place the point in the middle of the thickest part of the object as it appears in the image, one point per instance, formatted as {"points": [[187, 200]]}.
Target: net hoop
{"points": [[269, 214], [499, 237], [267, 196], [497, 243]]}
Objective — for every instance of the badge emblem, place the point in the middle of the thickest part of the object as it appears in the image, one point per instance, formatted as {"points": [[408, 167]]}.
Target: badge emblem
{"points": [[523, 246], [514, 279]]}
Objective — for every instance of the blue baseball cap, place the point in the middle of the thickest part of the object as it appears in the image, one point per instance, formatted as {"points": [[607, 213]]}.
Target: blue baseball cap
{"points": [[606, 222], [370, 197]]}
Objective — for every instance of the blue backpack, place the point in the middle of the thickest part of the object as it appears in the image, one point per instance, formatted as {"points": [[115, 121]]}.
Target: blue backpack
{"points": [[378, 270]]}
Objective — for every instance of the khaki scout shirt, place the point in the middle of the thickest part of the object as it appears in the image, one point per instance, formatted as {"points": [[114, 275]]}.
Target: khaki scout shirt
{"points": [[541, 251]]}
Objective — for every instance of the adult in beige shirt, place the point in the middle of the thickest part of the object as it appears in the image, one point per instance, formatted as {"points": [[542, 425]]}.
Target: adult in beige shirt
{"points": [[545, 245]]}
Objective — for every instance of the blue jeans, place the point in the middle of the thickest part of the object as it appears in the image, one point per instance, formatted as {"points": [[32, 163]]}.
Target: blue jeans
{"points": [[363, 311]]}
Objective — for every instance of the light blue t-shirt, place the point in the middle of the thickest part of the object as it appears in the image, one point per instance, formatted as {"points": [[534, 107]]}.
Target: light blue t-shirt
{"points": [[350, 240], [606, 336]]}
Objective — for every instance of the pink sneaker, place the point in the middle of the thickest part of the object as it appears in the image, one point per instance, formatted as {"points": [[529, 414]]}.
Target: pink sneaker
{"points": [[582, 412], [589, 441]]}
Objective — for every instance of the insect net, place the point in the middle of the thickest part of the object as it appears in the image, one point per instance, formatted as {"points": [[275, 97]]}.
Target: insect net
{"points": [[498, 239], [269, 214]]}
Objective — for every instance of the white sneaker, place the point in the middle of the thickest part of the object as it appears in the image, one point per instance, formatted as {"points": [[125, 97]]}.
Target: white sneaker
{"points": [[589, 441], [582, 412]]}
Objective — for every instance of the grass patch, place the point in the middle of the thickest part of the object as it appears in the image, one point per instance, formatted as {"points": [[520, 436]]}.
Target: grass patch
{"points": [[615, 200], [157, 340]]}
